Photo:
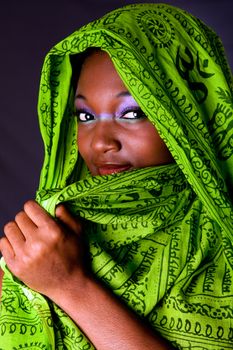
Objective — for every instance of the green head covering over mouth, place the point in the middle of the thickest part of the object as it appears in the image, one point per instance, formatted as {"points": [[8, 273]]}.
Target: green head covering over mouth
{"points": [[161, 237]]}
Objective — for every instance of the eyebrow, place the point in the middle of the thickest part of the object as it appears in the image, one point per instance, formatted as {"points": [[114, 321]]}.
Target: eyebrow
{"points": [[121, 94], [79, 96]]}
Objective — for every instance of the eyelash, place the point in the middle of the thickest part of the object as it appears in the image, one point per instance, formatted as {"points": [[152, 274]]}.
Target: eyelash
{"points": [[138, 111]]}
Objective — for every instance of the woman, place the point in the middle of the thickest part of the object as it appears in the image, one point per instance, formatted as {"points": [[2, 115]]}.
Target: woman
{"points": [[157, 227]]}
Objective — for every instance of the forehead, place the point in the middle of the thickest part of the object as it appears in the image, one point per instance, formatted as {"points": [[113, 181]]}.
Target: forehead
{"points": [[98, 71]]}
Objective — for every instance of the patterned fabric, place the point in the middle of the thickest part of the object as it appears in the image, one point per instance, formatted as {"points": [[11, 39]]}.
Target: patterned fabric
{"points": [[160, 238]]}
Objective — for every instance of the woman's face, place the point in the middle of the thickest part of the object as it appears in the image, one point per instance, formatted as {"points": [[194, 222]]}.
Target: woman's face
{"points": [[113, 133]]}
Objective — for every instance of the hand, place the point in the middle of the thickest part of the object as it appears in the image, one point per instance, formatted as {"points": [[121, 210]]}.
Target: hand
{"points": [[43, 252], [48, 255]]}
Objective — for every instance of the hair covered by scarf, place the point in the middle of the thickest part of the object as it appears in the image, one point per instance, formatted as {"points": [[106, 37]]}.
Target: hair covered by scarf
{"points": [[160, 237]]}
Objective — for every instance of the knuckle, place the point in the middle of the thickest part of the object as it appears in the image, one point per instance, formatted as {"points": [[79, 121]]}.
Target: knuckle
{"points": [[3, 242], [55, 235], [28, 205], [19, 216], [78, 227], [49, 227], [16, 269], [29, 202], [9, 226], [31, 258], [37, 249], [60, 210], [52, 230]]}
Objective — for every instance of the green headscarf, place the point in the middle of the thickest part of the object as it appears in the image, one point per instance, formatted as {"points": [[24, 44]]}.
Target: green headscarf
{"points": [[160, 238]]}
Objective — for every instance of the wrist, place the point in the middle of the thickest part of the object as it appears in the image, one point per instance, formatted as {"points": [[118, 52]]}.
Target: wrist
{"points": [[73, 290]]}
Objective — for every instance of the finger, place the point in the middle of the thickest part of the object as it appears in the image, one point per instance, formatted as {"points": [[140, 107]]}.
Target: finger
{"points": [[73, 223], [25, 224], [14, 235], [36, 213], [7, 251]]}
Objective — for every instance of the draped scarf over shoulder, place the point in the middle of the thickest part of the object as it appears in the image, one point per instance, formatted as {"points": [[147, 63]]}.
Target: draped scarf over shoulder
{"points": [[160, 238]]}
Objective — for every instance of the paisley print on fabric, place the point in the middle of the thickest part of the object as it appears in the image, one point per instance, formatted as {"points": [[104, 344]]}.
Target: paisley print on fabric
{"points": [[160, 238]]}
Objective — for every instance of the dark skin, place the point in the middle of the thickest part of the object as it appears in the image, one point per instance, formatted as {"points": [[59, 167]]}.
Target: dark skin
{"points": [[113, 134], [49, 256], [1, 277]]}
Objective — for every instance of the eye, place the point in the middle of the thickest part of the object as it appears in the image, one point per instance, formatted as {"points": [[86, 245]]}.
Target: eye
{"points": [[84, 117], [133, 114]]}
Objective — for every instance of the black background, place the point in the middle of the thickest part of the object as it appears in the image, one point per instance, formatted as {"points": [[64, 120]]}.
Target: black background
{"points": [[28, 30]]}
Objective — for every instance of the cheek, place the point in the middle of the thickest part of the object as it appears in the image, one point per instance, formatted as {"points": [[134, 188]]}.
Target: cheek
{"points": [[159, 152], [150, 149], [83, 145]]}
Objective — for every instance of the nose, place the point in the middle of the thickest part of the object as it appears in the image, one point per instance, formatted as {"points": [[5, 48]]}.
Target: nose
{"points": [[105, 137]]}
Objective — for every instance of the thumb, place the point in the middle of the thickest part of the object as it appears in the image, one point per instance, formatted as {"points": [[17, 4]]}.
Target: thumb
{"points": [[70, 221]]}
